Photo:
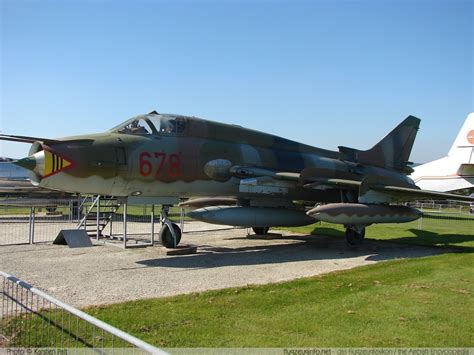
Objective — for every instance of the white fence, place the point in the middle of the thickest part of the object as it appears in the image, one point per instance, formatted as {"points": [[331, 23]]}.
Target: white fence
{"points": [[30, 221], [30, 318], [24, 221]]}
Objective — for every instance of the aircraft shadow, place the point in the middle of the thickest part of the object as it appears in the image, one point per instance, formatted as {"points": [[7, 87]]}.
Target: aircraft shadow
{"points": [[437, 240], [422, 238], [306, 248]]}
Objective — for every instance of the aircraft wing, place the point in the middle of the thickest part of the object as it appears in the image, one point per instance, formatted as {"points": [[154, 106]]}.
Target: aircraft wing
{"points": [[372, 189], [407, 194], [26, 139], [400, 193]]}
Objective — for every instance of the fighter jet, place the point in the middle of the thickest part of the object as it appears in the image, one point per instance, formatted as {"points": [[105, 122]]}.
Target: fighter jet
{"points": [[456, 170], [233, 175]]}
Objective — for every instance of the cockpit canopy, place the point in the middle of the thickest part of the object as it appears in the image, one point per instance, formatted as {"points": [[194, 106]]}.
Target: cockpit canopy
{"points": [[152, 124]]}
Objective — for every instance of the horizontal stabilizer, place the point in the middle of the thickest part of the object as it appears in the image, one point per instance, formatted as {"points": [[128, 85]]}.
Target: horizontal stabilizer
{"points": [[466, 170]]}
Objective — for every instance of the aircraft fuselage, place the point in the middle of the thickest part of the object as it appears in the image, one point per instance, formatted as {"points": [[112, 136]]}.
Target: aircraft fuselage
{"points": [[202, 158]]}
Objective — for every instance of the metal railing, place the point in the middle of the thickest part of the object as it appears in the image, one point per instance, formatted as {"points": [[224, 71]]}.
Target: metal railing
{"points": [[28, 221], [30, 318], [445, 207], [448, 219], [95, 201]]}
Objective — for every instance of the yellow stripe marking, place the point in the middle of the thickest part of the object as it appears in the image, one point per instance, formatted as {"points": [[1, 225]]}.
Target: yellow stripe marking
{"points": [[54, 163]]}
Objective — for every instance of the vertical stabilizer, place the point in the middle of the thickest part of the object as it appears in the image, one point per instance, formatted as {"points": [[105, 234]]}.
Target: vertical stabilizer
{"points": [[464, 144], [392, 152]]}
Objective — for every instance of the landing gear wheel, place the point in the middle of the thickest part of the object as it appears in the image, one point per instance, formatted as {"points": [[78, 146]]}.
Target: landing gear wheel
{"points": [[260, 230], [355, 236], [166, 237]]}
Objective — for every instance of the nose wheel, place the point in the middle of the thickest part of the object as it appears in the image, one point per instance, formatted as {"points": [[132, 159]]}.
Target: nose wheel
{"points": [[170, 233], [355, 234]]}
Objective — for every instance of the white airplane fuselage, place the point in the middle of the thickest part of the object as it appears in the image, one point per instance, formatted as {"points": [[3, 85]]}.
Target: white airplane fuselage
{"points": [[441, 175], [456, 170]]}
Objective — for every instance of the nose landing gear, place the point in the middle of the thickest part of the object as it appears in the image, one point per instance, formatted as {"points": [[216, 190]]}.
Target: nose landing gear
{"points": [[170, 233]]}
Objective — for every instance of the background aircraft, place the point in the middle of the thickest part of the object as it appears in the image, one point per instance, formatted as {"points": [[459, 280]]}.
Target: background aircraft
{"points": [[456, 170], [233, 175], [14, 179], [10, 171]]}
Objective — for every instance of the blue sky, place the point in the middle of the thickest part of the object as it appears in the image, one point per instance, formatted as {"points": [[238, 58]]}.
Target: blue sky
{"points": [[325, 73]]}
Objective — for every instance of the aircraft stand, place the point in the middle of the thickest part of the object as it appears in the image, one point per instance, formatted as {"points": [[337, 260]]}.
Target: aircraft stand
{"points": [[100, 223]]}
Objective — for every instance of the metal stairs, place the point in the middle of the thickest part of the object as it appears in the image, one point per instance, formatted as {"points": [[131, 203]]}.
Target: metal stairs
{"points": [[98, 215]]}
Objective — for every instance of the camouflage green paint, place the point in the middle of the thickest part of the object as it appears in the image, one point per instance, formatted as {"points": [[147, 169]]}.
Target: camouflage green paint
{"points": [[111, 162]]}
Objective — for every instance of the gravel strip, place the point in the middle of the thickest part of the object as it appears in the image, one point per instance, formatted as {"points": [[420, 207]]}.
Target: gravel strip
{"points": [[226, 257]]}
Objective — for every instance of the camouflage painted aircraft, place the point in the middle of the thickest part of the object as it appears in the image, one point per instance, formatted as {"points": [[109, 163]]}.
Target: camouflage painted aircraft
{"points": [[233, 175]]}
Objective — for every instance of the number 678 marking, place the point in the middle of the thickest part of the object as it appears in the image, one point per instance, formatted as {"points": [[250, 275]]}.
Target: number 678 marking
{"points": [[159, 160]]}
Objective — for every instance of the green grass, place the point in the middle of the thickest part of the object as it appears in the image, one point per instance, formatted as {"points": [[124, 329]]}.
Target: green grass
{"points": [[424, 302], [15, 211], [408, 303], [434, 232]]}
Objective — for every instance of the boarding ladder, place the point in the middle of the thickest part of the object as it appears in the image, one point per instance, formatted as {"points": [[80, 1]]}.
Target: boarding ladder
{"points": [[98, 215]]}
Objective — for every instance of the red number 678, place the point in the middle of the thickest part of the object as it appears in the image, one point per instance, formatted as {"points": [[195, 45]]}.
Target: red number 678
{"points": [[159, 160]]}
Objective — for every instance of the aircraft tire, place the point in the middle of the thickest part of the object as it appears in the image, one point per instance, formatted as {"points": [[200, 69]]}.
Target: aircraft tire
{"points": [[260, 230], [166, 237], [355, 236]]}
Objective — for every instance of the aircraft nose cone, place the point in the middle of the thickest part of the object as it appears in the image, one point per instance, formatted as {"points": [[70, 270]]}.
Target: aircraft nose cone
{"points": [[28, 163], [34, 163], [44, 163]]}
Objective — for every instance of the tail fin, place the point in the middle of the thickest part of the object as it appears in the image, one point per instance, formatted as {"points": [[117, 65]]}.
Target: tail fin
{"points": [[463, 145], [392, 152]]}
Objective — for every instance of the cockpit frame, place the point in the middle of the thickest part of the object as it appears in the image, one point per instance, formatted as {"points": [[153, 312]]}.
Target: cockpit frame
{"points": [[159, 125]]}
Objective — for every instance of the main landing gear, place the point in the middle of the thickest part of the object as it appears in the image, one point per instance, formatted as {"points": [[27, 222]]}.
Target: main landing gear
{"points": [[260, 230], [355, 234], [170, 233]]}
